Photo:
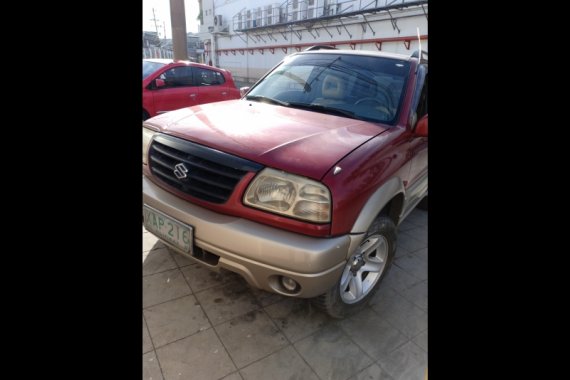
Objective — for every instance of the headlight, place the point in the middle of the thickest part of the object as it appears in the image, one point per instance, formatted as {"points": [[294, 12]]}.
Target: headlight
{"points": [[290, 195], [147, 137]]}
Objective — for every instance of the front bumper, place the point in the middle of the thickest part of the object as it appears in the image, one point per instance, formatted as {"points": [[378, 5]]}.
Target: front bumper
{"points": [[258, 252]]}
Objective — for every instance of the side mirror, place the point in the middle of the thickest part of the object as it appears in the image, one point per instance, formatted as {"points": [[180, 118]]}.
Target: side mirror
{"points": [[243, 91], [158, 83], [422, 127]]}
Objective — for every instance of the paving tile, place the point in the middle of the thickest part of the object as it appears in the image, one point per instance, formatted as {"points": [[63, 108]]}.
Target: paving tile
{"points": [[331, 354], [419, 233], [422, 340], [418, 217], [163, 287], [199, 356], [176, 319], [158, 260], [151, 242], [266, 298], [297, 318], [409, 242], [227, 302], [282, 365], [151, 368], [372, 333], [374, 372], [250, 337], [382, 295], [147, 343], [181, 261], [398, 279], [401, 251], [233, 376], [200, 278], [422, 253], [408, 362], [409, 319], [406, 225], [417, 294], [414, 265]]}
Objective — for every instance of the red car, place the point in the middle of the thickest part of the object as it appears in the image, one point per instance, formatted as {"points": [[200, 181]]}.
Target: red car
{"points": [[170, 85], [300, 185]]}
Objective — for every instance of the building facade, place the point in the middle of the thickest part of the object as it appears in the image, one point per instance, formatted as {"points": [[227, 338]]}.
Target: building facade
{"points": [[250, 38]]}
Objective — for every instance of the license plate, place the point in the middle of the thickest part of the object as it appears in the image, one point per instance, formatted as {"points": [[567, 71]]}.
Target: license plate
{"points": [[176, 233]]}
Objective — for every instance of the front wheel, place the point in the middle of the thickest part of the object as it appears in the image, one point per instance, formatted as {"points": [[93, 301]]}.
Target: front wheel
{"points": [[363, 272]]}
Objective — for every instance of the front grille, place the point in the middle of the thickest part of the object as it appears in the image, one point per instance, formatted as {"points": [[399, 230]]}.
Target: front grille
{"points": [[211, 175]]}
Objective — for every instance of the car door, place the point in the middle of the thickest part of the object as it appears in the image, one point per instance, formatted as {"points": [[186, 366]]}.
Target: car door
{"points": [[213, 85], [175, 89]]}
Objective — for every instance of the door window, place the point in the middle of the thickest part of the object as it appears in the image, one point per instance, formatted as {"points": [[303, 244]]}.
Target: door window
{"points": [[205, 77], [178, 77]]}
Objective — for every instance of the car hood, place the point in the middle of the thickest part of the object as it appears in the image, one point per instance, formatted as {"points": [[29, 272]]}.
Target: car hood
{"points": [[298, 141]]}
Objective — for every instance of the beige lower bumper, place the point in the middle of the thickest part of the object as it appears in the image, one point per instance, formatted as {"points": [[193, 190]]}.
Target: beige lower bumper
{"points": [[258, 252]]}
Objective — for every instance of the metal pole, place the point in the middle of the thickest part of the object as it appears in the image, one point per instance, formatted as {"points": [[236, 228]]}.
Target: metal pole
{"points": [[179, 38], [155, 25]]}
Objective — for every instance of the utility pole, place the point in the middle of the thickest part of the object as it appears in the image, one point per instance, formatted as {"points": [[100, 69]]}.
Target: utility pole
{"points": [[178, 22], [155, 25]]}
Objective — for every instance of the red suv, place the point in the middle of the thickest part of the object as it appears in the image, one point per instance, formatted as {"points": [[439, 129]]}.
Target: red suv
{"points": [[169, 85], [299, 186]]}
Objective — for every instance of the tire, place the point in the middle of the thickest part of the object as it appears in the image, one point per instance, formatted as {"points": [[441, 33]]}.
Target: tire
{"points": [[423, 205], [356, 285], [145, 115]]}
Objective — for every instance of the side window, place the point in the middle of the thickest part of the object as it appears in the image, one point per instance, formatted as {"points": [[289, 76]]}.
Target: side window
{"points": [[178, 77], [423, 103], [205, 77]]}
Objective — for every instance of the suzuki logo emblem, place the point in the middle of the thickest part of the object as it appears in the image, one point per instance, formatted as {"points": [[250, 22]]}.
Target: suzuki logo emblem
{"points": [[180, 171]]}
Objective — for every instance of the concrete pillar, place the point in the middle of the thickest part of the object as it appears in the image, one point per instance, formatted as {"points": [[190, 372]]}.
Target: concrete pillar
{"points": [[178, 21]]}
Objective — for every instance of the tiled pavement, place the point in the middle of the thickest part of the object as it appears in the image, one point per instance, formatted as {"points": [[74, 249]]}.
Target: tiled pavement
{"points": [[199, 325]]}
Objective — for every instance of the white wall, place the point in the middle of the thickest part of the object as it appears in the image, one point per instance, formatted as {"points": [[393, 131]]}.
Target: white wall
{"points": [[253, 66]]}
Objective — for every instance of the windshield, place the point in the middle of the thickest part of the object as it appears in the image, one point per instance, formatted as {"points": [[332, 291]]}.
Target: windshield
{"points": [[151, 67], [360, 87]]}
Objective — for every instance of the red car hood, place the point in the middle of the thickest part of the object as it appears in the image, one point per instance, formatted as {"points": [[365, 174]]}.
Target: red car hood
{"points": [[298, 141]]}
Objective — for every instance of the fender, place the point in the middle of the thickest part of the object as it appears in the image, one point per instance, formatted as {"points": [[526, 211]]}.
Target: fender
{"points": [[376, 203]]}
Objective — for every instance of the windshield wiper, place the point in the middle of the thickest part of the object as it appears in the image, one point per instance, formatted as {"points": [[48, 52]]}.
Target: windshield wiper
{"points": [[265, 99], [325, 109], [332, 111]]}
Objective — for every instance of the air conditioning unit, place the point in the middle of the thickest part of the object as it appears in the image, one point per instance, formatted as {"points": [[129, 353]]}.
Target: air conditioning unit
{"points": [[257, 17], [218, 23], [240, 21], [267, 15], [331, 8], [296, 10], [303, 10], [271, 15], [315, 8], [248, 20]]}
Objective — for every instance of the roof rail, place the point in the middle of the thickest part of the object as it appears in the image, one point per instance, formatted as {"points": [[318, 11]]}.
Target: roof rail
{"points": [[321, 47], [416, 54]]}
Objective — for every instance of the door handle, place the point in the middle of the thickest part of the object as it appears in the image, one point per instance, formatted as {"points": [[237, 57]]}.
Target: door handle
{"points": [[224, 93], [192, 95]]}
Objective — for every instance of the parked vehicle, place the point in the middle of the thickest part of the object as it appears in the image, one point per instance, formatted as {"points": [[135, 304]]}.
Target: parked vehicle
{"points": [[300, 185], [169, 85]]}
